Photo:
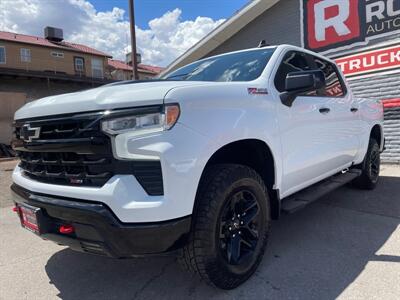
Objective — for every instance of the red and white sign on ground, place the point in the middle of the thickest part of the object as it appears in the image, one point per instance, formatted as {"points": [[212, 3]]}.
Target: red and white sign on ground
{"points": [[373, 61]]}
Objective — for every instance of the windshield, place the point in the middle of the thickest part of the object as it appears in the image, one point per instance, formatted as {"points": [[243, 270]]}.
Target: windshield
{"points": [[240, 66]]}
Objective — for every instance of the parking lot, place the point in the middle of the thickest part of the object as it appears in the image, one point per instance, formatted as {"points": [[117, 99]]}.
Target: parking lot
{"points": [[347, 246]]}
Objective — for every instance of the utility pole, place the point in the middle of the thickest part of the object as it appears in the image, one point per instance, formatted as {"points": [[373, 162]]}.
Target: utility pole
{"points": [[133, 40]]}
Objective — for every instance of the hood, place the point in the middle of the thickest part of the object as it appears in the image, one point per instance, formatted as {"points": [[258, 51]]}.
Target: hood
{"points": [[102, 98]]}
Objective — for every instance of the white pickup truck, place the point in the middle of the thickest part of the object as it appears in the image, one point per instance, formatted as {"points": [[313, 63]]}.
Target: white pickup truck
{"points": [[196, 163]]}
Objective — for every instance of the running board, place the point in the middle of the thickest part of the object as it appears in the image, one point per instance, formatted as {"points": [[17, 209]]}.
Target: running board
{"points": [[304, 197]]}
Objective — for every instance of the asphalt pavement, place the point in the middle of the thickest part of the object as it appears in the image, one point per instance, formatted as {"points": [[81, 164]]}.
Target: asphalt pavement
{"points": [[346, 246]]}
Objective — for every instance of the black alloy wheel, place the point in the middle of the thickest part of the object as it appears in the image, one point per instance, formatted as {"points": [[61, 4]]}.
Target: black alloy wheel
{"points": [[239, 227]]}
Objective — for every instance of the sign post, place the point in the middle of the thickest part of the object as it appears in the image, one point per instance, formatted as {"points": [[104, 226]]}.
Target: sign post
{"points": [[133, 40]]}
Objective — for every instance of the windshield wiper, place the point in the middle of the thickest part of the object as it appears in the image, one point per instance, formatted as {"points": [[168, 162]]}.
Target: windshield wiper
{"points": [[178, 75]]}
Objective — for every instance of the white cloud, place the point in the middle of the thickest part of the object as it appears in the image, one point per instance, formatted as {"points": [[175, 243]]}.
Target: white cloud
{"points": [[167, 36]]}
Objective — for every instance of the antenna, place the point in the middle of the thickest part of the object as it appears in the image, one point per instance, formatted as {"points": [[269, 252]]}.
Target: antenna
{"points": [[263, 44]]}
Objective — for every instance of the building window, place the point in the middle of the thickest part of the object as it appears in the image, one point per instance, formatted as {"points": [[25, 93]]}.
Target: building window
{"points": [[97, 68], [79, 64], [57, 54], [2, 55], [25, 55]]}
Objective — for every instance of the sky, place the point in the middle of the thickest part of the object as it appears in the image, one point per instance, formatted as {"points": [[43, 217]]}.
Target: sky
{"points": [[149, 9], [165, 29]]}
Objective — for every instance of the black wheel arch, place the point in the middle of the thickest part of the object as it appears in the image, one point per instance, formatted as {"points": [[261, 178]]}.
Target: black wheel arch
{"points": [[377, 134], [261, 160]]}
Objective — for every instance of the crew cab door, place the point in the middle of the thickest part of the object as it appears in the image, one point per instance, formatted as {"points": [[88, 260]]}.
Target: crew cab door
{"points": [[347, 125], [314, 142]]}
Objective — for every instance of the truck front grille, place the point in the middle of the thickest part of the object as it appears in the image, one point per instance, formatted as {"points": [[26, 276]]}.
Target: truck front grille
{"points": [[72, 150], [67, 167]]}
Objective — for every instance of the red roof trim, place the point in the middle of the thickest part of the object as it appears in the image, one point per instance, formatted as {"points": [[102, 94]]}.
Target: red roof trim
{"points": [[120, 65], [39, 41]]}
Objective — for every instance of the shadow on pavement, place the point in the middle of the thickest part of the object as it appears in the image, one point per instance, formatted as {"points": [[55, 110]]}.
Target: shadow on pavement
{"points": [[314, 254]]}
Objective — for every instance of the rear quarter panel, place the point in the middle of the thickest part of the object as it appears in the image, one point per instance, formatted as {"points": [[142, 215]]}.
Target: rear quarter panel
{"points": [[371, 114]]}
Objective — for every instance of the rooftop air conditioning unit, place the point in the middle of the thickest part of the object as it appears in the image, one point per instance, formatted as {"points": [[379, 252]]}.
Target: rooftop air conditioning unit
{"points": [[128, 58], [53, 34]]}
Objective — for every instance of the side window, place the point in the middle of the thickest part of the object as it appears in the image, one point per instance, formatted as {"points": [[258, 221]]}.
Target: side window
{"points": [[57, 54], [97, 68], [334, 86], [2, 55], [292, 62], [25, 55], [79, 64]]}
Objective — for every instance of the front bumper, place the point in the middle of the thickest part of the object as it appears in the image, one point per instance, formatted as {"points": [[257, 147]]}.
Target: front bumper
{"points": [[182, 164], [98, 230]]}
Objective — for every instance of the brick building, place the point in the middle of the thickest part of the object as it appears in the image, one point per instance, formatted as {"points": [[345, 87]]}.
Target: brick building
{"points": [[33, 67], [50, 58]]}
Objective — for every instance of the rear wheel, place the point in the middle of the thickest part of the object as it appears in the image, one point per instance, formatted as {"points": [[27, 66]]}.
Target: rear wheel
{"points": [[370, 167], [231, 226]]}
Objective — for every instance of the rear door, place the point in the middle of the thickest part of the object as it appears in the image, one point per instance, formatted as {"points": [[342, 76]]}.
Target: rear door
{"points": [[309, 133], [346, 125]]}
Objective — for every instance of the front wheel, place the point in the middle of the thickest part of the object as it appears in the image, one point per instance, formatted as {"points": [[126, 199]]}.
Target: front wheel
{"points": [[370, 167], [231, 226]]}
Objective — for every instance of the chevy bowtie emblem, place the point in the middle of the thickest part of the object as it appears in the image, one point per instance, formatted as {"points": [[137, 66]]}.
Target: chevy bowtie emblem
{"points": [[29, 133]]}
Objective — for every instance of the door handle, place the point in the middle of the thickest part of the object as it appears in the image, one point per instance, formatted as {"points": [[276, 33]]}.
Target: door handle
{"points": [[354, 109], [324, 110]]}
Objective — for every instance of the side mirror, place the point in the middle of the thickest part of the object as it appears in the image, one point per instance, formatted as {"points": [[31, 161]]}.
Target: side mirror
{"points": [[297, 83]]}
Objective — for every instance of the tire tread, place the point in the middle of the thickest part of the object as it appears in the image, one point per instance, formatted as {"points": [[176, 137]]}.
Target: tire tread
{"points": [[193, 256]]}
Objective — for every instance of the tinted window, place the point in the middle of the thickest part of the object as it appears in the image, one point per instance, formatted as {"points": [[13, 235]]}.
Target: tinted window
{"points": [[241, 66], [292, 62], [334, 87]]}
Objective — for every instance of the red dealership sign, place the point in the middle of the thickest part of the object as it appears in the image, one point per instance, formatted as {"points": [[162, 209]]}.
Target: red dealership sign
{"points": [[378, 60], [333, 24]]}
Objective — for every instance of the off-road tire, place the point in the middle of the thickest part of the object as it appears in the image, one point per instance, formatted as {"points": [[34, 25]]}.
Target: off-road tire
{"points": [[369, 167], [202, 254]]}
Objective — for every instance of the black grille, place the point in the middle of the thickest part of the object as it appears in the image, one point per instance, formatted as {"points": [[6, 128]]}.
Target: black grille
{"points": [[53, 129], [74, 151], [67, 167], [149, 175]]}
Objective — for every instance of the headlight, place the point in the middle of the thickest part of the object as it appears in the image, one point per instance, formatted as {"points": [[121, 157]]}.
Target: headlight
{"points": [[144, 123]]}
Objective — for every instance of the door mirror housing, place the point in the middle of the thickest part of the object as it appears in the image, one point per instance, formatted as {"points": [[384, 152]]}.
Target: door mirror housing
{"points": [[297, 83]]}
